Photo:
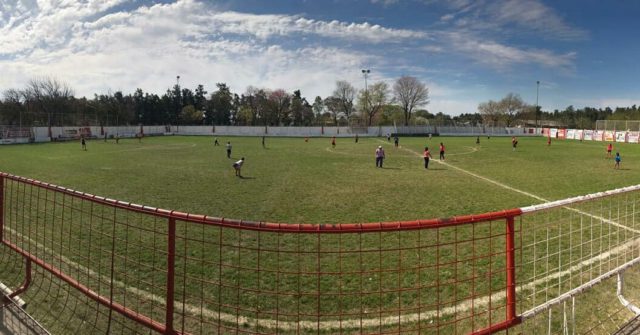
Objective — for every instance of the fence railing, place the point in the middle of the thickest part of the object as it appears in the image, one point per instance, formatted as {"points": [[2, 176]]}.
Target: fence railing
{"points": [[113, 266]]}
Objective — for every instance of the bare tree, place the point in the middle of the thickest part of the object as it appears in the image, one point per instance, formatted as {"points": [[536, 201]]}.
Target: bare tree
{"points": [[490, 112], [511, 105], [345, 93], [48, 96], [372, 100], [409, 92]]}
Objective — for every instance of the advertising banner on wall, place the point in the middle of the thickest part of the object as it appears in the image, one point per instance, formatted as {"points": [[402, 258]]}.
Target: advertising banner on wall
{"points": [[571, 133], [621, 136], [562, 134], [588, 135], [633, 136], [608, 136], [598, 135], [579, 134], [553, 132]]}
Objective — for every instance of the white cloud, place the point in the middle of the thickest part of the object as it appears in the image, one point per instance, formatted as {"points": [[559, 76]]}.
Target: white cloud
{"points": [[266, 26], [385, 2], [95, 48], [502, 56], [504, 16], [532, 14]]}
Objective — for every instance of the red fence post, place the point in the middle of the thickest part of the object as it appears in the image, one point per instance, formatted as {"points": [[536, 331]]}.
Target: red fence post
{"points": [[511, 270], [171, 262], [1, 208]]}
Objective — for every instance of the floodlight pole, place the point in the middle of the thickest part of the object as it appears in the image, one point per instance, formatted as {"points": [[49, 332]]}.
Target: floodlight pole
{"points": [[178, 114], [537, 106], [365, 73]]}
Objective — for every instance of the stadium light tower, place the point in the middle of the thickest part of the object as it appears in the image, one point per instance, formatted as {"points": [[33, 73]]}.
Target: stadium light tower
{"points": [[365, 73], [179, 102], [537, 106]]}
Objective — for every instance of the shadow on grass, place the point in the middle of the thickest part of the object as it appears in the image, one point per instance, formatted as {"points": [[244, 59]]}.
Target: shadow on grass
{"points": [[243, 177]]}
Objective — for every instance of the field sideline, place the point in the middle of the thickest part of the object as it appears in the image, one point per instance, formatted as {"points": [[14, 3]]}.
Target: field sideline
{"points": [[310, 182]]}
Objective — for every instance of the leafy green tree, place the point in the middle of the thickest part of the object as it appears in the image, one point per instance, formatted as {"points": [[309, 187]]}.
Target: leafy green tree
{"points": [[190, 115], [221, 105]]}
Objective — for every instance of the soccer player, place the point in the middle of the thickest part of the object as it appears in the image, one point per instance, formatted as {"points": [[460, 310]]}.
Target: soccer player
{"points": [[356, 138], [84, 144], [478, 140], [514, 142], [117, 138], [609, 149], [396, 140], [379, 156], [441, 151], [228, 149], [548, 140], [238, 166], [333, 141], [388, 137], [618, 159], [216, 143], [426, 155], [263, 142]]}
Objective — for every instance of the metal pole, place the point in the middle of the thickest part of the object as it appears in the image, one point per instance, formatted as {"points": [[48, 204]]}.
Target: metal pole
{"points": [[178, 115], [171, 263], [366, 72], [537, 106], [511, 270], [1, 207]]}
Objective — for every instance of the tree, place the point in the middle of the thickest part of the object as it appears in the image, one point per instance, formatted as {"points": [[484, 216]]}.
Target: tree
{"points": [[318, 106], [49, 97], [301, 111], [333, 105], [200, 98], [220, 105], [372, 100], [278, 108], [409, 92], [490, 112], [345, 93], [190, 115], [11, 111], [510, 106]]}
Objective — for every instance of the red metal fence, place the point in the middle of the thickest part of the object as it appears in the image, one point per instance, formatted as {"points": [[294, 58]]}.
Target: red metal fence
{"points": [[115, 267]]}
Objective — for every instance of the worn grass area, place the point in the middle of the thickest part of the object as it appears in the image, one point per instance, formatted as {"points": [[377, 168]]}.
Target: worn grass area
{"points": [[271, 276]]}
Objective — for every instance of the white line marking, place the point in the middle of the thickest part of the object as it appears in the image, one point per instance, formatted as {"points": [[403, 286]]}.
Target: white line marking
{"points": [[505, 186]]}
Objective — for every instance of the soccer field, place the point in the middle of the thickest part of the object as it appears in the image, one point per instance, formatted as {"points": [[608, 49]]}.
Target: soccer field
{"points": [[295, 181], [272, 280]]}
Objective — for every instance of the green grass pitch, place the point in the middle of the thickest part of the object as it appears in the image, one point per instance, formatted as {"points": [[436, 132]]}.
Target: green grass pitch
{"points": [[310, 182], [291, 180]]}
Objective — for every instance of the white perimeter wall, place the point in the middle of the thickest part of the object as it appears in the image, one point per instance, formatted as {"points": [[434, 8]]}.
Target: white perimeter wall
{"points": [[42, 133]]}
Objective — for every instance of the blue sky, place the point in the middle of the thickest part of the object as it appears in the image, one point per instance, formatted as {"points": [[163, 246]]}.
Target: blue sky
{"points": [[584, 53]]}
